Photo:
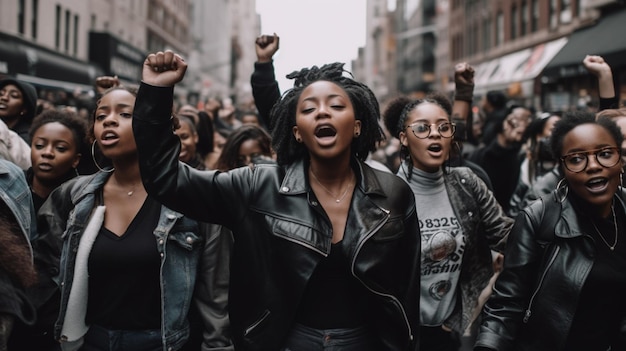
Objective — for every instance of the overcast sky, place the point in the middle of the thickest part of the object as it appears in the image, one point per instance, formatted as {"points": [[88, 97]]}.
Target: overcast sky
{"points": [[313, 32]]}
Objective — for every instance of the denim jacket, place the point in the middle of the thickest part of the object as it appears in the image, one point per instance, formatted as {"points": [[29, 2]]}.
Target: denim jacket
{"points": [[15, 193], [181, 245]]}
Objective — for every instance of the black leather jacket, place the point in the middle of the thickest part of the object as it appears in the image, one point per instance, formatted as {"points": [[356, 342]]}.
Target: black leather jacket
{"points": [[536, 295], [281, 233]]}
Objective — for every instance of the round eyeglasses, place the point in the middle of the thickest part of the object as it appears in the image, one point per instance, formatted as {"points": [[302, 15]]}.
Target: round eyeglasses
{"points": [[421, 130], [606, 157]]}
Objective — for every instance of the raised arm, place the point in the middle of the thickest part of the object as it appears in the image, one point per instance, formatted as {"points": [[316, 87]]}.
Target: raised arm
{"points": [[265, 88], [169, 181], [463, 95], [606, 89]]}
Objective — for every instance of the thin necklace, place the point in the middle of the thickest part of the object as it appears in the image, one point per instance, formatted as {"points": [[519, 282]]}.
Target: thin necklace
{"points": [[337, 199], [612, 247]]}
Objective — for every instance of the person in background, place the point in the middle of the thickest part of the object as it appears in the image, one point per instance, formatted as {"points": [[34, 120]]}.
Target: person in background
{"points": [[249, 117], [188, 135], [247, 144], [502, 158], [59, 139], [326, 249], [139, 297], [538, 161], [563, 280], [13, 148], [494, 107], [460, 220], [17, 270], [219, 141], [18, 105]]}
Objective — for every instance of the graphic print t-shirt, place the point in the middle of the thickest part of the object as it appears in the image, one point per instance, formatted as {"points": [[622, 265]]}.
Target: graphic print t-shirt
{"points": [[442, 247]]}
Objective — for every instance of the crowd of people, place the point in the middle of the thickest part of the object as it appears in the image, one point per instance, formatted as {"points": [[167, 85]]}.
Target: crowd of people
{"points": [[316, 219]]}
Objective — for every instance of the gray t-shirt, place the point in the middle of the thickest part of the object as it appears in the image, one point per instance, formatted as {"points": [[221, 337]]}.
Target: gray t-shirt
{"points": [[442, 247]]}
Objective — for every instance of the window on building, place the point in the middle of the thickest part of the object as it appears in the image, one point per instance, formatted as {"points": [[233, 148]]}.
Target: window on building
{"points": [[514, 17], [75, 42], [534, 23], [21, 14], [486, 34], [33, 20], [499, 28], [566, 11], [553, 14], [92, 22], [66, 41], [57, 27], [577, 8], [525, 18]]}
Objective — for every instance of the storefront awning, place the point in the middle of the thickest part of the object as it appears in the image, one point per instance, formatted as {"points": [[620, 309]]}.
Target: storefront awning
{"points": [[606, 38], [44, 67], [518, 67]]}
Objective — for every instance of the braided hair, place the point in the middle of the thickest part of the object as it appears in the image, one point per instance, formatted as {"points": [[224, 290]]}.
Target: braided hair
{"points": [[283, 114]]}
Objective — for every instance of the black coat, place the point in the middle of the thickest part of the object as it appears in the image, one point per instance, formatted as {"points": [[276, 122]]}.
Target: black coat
{"points": [[281, 233]]}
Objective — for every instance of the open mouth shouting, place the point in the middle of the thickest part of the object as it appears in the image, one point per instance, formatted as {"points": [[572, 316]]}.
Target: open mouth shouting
{"points": [[597, 185], [325, 134], [109, 138], [435, 149]]}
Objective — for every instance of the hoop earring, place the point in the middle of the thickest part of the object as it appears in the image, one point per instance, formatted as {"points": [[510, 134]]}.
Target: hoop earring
{"points": [[93, 157], [560, 186], [76, 171]]}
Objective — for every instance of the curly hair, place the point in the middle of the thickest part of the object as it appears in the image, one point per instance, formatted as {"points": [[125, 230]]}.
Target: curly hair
{"points": [[571, 120], [71, 120], [283, 114]]}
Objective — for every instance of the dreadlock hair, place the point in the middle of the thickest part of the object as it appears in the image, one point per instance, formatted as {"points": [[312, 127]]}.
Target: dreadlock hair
{"points": [[398, 110], [283, 114]]}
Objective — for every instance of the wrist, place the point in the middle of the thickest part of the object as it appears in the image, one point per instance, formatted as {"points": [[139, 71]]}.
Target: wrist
{"points": [[464, 92]]}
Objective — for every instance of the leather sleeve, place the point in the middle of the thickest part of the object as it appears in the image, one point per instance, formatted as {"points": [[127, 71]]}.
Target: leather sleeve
{"points": [[504, 311], [264, 90], [206, 196], [495, 223], [211, 293]]}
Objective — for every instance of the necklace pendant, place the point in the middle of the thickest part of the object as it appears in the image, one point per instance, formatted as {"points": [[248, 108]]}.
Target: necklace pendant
{"points": [[612, 248], [130, 193], [337, 201]]}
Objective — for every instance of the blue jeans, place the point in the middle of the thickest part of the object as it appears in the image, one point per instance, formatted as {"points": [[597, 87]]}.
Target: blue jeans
{"points": [[302, 338], [102, 339]]}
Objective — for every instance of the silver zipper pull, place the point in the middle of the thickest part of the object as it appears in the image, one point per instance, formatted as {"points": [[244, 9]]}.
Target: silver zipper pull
{"points": [[527, 316]]}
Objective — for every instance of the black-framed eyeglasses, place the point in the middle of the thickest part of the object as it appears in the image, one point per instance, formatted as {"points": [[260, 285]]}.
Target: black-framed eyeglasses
{"points": [[577, 161], [421, 130]]}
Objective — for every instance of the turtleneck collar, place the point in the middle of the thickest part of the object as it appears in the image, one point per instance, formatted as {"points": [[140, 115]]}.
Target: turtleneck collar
{"points": [[422, 182]]}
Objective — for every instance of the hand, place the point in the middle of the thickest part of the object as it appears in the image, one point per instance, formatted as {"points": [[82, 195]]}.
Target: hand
{"points": [[463, 74], [106, 82], [596, 65], [266, 47], [163, 69]]}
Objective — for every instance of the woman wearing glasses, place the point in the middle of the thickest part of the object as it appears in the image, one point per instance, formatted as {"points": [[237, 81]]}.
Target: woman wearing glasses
{"points": [[459, 219], [563, 282]]}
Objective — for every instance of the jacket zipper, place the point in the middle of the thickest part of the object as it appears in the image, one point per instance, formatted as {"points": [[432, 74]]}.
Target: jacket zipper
{"points": [[264, 316], [308, 246], [543, 276], [393, 298]]}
